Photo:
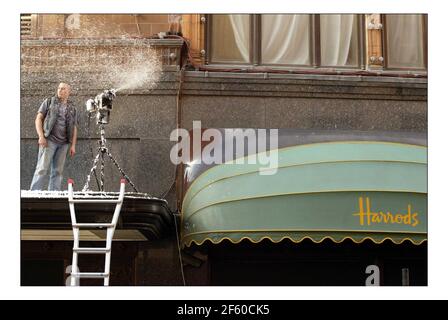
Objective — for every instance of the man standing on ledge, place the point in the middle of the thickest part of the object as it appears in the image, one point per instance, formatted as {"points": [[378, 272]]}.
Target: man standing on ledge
{"points": [[56, 125]]}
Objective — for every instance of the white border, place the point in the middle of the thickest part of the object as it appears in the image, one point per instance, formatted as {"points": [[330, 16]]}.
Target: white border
{"points": [[10, 160]]}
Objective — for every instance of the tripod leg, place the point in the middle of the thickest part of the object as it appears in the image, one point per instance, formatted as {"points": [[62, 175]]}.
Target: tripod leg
{"points": [[96, 179], [102, 172], [101, 152], [122, 172], [95, 163]]}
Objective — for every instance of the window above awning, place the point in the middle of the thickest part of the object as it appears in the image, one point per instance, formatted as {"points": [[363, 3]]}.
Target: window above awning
{"points": [[354, 190]]}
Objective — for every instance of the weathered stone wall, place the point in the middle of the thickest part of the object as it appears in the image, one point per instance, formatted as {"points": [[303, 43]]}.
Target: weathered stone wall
{"points": [[137, 135], [158, 264], [141, 121], [305, 102], [98, 25]]}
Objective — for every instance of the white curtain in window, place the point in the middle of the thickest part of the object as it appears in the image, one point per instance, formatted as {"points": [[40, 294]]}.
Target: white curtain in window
{"points": [[285, 39], [230, 38], [338, 39], [405, 41], [241, 33]]}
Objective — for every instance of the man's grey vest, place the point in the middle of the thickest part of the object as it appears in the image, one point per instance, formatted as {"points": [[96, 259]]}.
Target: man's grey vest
{"points": [[52, 115]]}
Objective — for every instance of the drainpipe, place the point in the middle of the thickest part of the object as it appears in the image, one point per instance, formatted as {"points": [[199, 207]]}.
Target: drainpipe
{"points": [[180, 167]]}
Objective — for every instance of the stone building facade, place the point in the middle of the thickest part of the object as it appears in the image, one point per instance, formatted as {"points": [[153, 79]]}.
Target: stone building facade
{"points": [[373, 99]]}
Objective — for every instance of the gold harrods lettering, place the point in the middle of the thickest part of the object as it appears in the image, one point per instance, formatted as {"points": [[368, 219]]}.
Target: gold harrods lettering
{"points": [[368, 217]]}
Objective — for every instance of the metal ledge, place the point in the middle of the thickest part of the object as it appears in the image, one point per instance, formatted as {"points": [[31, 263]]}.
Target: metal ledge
{"points": [[298, 76], [49, 211]]}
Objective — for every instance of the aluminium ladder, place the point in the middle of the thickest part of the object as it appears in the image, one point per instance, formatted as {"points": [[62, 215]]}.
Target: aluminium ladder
{"points": [[75, 274]]}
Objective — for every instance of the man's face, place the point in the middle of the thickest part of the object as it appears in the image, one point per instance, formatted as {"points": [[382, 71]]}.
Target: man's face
{"points": [[63, 91]]}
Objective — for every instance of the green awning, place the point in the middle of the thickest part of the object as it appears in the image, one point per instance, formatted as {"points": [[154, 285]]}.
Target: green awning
{"points": [[354, 190]]}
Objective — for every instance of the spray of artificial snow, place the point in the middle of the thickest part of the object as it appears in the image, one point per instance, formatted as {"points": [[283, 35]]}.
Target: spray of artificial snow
{"points": [[89, 66], [143, 71], [123, 64]]}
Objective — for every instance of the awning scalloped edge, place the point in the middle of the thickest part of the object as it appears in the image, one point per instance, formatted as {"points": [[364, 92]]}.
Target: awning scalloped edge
{"points": [[298, 240]]}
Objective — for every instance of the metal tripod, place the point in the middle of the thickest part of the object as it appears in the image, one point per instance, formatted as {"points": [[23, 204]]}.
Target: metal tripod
{"points": [[102, 151]]}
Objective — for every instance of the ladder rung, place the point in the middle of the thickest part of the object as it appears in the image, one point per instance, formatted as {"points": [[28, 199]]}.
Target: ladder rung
{"points": [[93, 225], [91, 250], [91, 275], [93, 201]]}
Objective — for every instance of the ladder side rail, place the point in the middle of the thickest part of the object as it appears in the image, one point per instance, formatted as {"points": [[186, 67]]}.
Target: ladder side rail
{"points": [[75, 269], [111, 231], [73, 279], [116, 215], [107, 258], [71, 204]]}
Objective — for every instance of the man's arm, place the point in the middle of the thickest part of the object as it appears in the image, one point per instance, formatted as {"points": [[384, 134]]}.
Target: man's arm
{"points": [[74, 139], [39, 129]]}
